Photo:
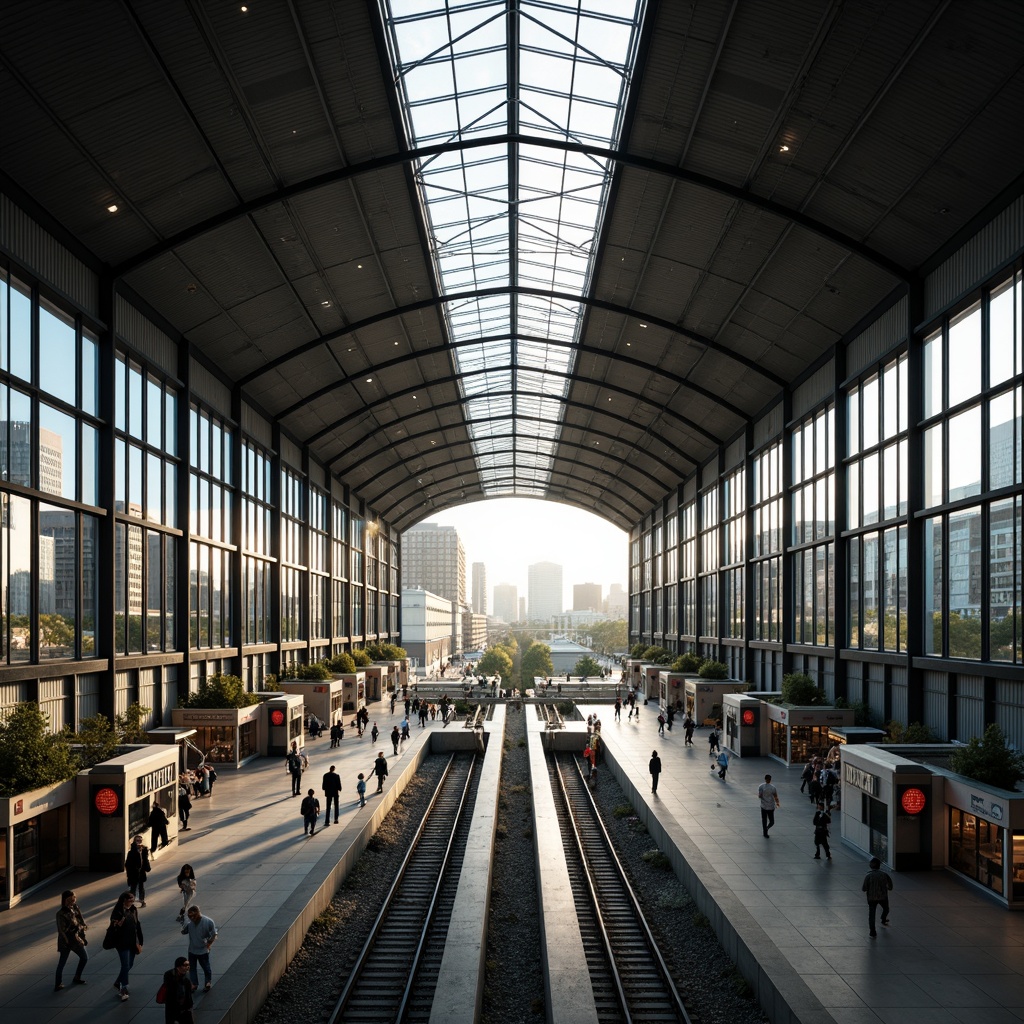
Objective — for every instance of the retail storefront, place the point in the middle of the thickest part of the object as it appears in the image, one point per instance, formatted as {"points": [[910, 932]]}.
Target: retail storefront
{"points": [[227, 736], [902, 807], [704, 698], [795, 734], [324, 699], [35, 839]]}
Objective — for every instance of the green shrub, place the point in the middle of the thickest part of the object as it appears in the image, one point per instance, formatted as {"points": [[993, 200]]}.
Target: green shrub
{"points": [[688, 662], [270, 683], [316, 671], [637, 650], [989, 760], [897, 732], [385, 652], [219, 691], [342, 663], [658, 860], [30, 755], [361, 658], [800, 689], [861, 711], [713, 670]]}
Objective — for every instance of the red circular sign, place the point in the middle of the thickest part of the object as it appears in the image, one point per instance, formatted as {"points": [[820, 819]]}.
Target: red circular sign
{"points": [[748, 717], [106, 800], [913, 800], [277, 718]]}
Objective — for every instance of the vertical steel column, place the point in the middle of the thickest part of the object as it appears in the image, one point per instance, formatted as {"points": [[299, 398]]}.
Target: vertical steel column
{"points": [[916, 625]]}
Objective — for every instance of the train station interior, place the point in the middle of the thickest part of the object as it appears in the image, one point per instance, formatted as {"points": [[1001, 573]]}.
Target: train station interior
{"points": [[280, 280]]}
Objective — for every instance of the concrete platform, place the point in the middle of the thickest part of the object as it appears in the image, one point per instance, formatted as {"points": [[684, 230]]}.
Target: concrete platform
{"points": [[259, 878], [797, 927]]}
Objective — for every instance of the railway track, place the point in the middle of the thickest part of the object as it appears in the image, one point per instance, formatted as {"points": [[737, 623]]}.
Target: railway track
{"points": [[395, 974], [630, 981]]}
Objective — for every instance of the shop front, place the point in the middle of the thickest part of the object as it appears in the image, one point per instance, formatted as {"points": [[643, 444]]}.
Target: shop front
{"points": [[376, 677], [670, 690], [354, 693], [226, 736], [282, 715], [325, 699], [797, 734], [704, 698], [35, 839], [745, 724], [113, 800]]}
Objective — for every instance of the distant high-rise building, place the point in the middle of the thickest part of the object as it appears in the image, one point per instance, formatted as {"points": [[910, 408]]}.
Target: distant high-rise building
{"points": [[617, 602], [522, 609], [434, 559], [586, 597], [506, 602], [544, 590], [479, 588]]}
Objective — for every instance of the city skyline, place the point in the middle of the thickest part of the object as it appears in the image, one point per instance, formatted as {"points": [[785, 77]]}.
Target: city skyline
{"points": [[510, 534]]}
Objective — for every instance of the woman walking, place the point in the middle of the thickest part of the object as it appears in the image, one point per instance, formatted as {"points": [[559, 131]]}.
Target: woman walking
{"points": [[71, 928], [187, 885], [137, 869], [822, 822], [127, 936]]}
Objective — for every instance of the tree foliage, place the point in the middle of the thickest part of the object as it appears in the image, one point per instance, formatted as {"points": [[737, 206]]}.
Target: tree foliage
{"points": [[800, 689], [131, 726], [385, 652], [713, 670], [342, 663], [688, 662], [989, 760], [316, 671], [897, 732], [219, 691], [361, 658], [658, 655], [30, 755], [536, 663], [495, 662], [586, 666], [96, 739], [609, 636]]}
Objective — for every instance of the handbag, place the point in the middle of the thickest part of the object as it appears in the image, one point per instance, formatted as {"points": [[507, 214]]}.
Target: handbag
{"points": [[161, 993], [110, 937]]}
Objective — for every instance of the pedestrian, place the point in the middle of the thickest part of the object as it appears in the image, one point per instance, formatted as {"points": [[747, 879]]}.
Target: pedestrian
{"points": [[395, 737], [334, 735], [405, 729], [670, 714], [310, 811], [158, 826], [392, 703], [877, 884], [293, 762], [618, 709], [723, 764], [822, 821], [211, 778], [374, 733], [127, 939], [814, 786], [187, 885], [332, 793], [361, 789], [71, 938], [713, 746], [202, 934], [136, 868], [807, 774], [768, 795], [203, 775], [829, 781], [178, 994], [184, 804], [661, 724], [588, 758], [654, 767], [689, 725], [380, 768]]}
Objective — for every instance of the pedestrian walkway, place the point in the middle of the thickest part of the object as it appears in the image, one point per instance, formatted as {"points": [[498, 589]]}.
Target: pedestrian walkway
{"points": [[256, 875], [800, 925]]}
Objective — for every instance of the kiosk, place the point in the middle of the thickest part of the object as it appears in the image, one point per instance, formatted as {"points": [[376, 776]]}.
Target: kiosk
{"points": [[282, 714], [376, 677], [324, 698], [670, 689], [745, 723], [797, 733], [226, 736], [704, 697], [355, 690], [115, 798]]}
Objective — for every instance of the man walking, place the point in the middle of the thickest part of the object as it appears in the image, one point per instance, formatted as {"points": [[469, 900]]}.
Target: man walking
{"points": [[202, 933], [310, 810], [395, 737], [769, 797], [332, 793], [380, 769], [655, 769], [877, 884], [294, 763]]}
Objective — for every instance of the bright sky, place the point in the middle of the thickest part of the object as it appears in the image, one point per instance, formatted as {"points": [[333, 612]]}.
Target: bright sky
{"points": [[509, 534]]}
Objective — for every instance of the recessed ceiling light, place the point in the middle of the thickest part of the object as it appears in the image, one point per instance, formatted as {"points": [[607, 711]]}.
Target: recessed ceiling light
{"points": [[396, 344], [433, 442], [783, 149], [112, 208], [326, 302], [244, 9], [609, 399], [629, 344], [369, 380], [644, 326], [359, 266]]}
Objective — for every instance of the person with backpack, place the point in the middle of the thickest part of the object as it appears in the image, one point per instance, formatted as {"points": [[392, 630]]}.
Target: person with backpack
{"points": [[310, 810], [806, 775], [829, 780], [713, 746], [661, 724], [177, 994], [293, 762], [723, 764], [822, 821]]}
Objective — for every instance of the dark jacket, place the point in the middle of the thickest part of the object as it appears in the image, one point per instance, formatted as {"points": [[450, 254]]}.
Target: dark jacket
{"points": [[310, 807], [136, 864], [70, 929], [157, 818], [331, 783], [380, 767], [129, 931], [178, 1003], [655, 766]]}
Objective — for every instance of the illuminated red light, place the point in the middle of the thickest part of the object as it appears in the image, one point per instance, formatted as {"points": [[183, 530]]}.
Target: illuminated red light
{"points": [[277, 718], [748, 717], [913, 801], [106, 800]]}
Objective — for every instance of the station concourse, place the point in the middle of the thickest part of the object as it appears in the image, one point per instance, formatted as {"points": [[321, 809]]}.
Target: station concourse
{"points": [[950, 956]]}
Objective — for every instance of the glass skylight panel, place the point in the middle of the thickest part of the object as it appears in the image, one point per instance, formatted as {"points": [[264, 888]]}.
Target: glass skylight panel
{"points": [[569, 81]]}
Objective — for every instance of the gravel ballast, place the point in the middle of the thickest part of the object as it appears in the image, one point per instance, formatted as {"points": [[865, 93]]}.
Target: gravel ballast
{"points": [[513, 988]]}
